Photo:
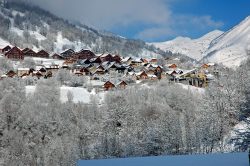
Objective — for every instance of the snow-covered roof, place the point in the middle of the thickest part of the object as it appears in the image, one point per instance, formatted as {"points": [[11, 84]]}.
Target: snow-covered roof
{"points": [[125, 59], [23, 69], [152, 76], [211, 64]]}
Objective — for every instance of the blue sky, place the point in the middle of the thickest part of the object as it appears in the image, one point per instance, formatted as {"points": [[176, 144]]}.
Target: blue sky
{"points": [[223, 13], [152, 20]]}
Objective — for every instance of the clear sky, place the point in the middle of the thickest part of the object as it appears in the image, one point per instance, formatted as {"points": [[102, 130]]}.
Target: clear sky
{"points": [[152, 20]]}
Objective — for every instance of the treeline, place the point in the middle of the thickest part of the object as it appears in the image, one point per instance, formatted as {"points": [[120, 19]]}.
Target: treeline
{"points": [[162, 119]]}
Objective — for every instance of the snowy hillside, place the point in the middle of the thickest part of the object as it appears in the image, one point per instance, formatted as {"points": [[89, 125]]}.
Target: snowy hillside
{"points": [[230, 48], [3, 43], [194, 48], [28, 26]]}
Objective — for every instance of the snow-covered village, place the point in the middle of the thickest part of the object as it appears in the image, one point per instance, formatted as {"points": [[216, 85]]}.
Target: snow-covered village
{"points": [[74, 95]]}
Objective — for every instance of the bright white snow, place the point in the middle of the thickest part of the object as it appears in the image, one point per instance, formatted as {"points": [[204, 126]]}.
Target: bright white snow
{"points": [[230, 48], [79, 94], [194, 48]]}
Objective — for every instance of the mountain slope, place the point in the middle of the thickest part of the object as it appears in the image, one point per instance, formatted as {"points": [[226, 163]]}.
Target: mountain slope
{"points": [[29, 26], [231, 47], [194, 48]]}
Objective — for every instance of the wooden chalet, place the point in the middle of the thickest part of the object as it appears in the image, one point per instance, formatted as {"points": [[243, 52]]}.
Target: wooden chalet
{"points": [[99, 70], [153, 61], [38, 74], [57, 56], [108, 86], [23, 71], [85, 71], [122, 85], [205, 66], [145, 61], [29, 52], [95, 60], [152, 77], [158, 72], [107, 57], [42, 54], [141, 75], [15, 53], [11, 74], [67, 54], [53, 68], [84, 54], [6, 49], [136, 62], [126, 60], [43, 71], [120, 68], [69, 62], [172, 66], [117, 58]]}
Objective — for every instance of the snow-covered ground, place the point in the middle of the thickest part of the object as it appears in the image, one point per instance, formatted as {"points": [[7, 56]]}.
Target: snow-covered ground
{"points": [[226, 159], [79, 94], [3, 43], [192, 89], [193, 48], [45, 61], [231, 47]]}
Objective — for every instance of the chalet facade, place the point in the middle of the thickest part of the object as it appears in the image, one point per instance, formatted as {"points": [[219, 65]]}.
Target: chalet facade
{"points": [[11, 74], [107, 58], [95, 60], [29, 52], [15, 54], [122, 85], [23, 72], [172, 66], [153, 61], [84, 54], [141, 75], [57, 56], [108, 86], [6, 49], [117, 58], [85, 71], [42, 54], [67, 54]]}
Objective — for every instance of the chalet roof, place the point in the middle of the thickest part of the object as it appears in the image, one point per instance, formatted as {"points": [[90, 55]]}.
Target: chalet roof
{"points": [[152, 76], [38, 67], [6, 47], [85, 51], [84, 61], [122, 82], [43, 52], [42, 70], [140, 73], [138, 60], [108, 82], [105, 55], [211, 64], [68, 52], [55, 54], [13, 49], [25, 50], [126, 59]]}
